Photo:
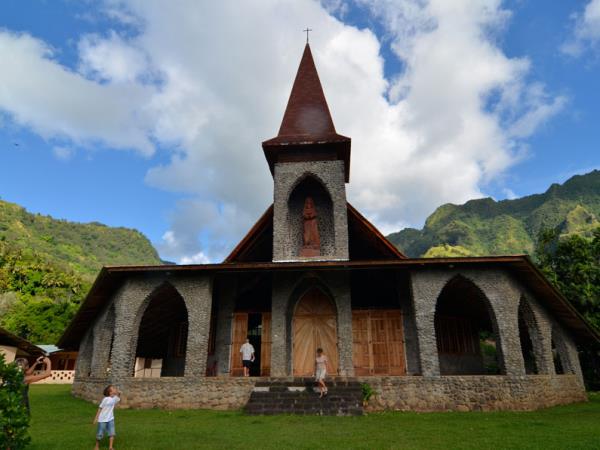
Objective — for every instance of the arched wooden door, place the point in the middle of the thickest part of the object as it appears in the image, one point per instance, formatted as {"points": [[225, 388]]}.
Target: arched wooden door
{"points": [[313, 326]]}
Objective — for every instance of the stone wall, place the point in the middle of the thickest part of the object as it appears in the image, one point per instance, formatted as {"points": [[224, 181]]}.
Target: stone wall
{"points": [[474, 392], [409, 393], [287, 176], [287, 290], [172, 392]]}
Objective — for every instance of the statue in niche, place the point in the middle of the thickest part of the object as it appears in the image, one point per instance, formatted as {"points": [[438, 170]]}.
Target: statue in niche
{"points": [[311, 243]]}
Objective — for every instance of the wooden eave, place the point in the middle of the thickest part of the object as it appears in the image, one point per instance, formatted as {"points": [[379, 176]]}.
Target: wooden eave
{"points": [[252, 236], [12, 340], [111, 278]]}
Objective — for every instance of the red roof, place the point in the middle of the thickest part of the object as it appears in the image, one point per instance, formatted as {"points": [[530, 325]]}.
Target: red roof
{"points": [[307, 122]]}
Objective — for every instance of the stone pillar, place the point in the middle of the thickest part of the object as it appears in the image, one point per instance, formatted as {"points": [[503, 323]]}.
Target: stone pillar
{"points": [[504, 297], [279, 305], [567, 352], [197, 294], [130, 302], [411, 342], [540, 332], [426, 287], [84, 356], [339, 284], [103, 333], [225, 307]]}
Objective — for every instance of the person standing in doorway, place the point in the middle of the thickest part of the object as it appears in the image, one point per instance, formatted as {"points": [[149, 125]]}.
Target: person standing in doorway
{"points": [[321, 365], [247, 351]]}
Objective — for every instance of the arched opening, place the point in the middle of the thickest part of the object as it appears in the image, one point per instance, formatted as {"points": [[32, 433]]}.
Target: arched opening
{"points": [[466, 332], [162, 337], [527, 328], [311, 188], [314, 325], [559, 354]]}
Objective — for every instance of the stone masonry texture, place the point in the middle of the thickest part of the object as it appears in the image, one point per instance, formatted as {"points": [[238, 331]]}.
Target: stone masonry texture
{"points": [[415, 393], [286, 229]]}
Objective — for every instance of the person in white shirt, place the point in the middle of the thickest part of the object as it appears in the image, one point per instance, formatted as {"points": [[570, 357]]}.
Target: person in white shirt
{"points": [[247, 351], [105, 416]]}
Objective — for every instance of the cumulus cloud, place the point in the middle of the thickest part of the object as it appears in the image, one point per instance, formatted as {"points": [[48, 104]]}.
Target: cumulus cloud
{"points": [[54, 101], [586, 31], [211, 82]]}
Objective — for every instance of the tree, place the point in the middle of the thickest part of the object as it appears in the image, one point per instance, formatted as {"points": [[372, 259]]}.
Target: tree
{"points": [[14, 419], [572, 264]]}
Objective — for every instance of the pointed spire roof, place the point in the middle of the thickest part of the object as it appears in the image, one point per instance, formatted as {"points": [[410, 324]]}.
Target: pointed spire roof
{"points": [[307, 123]]}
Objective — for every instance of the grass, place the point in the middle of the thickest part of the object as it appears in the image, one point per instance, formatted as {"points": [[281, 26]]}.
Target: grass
{"points": [[62, 422]]}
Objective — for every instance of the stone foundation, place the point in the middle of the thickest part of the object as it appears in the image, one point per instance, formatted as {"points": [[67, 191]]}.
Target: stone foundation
{"points": [[408, 393], [173, 392], [473, 393]]}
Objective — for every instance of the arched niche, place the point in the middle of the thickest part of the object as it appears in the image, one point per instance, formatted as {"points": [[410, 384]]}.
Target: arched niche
{"points": [[466, 331], [310, 186], [162, 335]]}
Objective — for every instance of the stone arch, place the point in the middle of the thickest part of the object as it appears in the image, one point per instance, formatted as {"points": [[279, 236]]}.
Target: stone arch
{"points": [[560, 353], [103, 342], [531, 339], [161, 333], [305, 285], [466, 330], [310, 185]]}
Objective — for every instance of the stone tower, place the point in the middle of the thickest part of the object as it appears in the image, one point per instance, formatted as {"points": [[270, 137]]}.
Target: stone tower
{"points": [[310, 164]]}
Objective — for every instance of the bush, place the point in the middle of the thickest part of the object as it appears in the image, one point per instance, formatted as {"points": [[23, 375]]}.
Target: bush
{"points": [[367, 391], [14, 419]]}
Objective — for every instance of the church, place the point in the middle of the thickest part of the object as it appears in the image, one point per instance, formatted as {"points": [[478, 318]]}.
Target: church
{"points": [[425, 334]]}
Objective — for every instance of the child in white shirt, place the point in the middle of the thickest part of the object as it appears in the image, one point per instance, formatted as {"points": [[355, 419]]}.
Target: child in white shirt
{"points": [[105, 416]]}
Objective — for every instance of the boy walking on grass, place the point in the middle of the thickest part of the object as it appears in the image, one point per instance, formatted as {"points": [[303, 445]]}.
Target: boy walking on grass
{"points": [[105, 416]]}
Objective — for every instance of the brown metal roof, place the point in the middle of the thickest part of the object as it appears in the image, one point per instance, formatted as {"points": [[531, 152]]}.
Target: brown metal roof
{"points": [[307, 122], [110, 278]]}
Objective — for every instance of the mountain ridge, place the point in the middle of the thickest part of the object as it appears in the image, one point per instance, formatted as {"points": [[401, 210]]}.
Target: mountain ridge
{"points": [[489, 227]]}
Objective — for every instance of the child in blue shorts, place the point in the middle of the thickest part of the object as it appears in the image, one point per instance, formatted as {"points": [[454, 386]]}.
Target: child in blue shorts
{"points": [[105, 416]]}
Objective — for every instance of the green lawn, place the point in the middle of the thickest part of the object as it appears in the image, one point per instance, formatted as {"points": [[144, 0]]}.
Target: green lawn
{"points": [[62, 422]]}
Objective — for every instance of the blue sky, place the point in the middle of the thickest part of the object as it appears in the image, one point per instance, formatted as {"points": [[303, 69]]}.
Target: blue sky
{"points": [[131, 114]]}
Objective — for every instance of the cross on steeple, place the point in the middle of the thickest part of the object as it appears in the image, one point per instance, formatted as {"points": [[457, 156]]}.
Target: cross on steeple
{"points": [[307, 31]]}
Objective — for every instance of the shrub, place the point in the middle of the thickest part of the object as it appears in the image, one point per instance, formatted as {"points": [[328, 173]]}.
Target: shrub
{"points": [[367, 391], [14, 419]]}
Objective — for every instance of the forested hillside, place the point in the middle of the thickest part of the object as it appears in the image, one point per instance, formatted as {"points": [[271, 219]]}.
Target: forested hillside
{"points": [[47, 267], [488, 227]]}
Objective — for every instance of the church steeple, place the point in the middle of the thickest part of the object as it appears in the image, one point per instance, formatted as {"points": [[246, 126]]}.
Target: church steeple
{"points": [[307, 131]]}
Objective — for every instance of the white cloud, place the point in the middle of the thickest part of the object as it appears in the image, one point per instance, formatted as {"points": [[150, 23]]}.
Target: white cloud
{"points": [[63, 153], [39, 93], [437, 132], [586, 30]]}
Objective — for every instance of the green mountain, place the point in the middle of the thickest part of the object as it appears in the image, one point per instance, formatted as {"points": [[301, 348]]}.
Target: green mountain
{"points": [[487, 227], [81, 247], [47, 266]]}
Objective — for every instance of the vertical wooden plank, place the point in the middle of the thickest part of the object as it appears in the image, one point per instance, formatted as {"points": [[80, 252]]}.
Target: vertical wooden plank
{"points": [[265, 345], [360, 343], [239, 333], [395, 332]]}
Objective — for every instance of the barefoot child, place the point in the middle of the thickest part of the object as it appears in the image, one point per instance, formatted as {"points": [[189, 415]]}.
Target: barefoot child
{"points": [[321, 365], [105, 416]]}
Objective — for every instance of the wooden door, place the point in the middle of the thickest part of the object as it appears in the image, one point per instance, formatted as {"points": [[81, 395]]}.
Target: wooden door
{"points": [[314, 325], [265, 345], [239, 332], [361, 338], [378, 342]]}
